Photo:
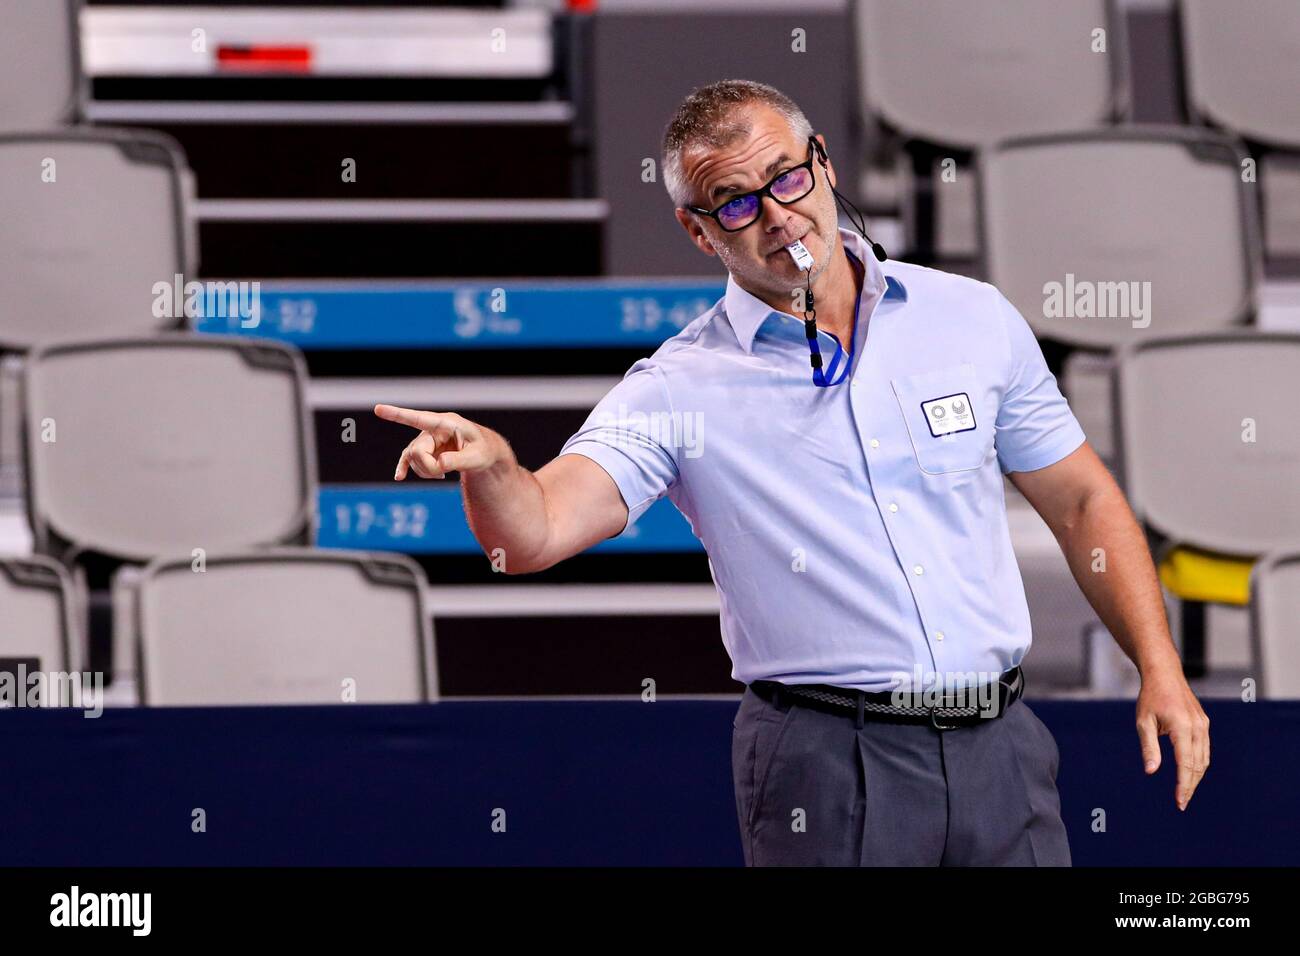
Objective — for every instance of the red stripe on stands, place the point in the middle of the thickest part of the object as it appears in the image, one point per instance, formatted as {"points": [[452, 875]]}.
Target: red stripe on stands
{"points": [[279, 58]]}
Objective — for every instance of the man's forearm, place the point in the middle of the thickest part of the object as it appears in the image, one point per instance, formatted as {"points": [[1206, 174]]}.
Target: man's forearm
{"points": [[1109, 557], [506, 509]]}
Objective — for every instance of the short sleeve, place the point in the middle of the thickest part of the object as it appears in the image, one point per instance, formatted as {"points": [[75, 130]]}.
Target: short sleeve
{"points": [[1035, 426], [630, 433]]}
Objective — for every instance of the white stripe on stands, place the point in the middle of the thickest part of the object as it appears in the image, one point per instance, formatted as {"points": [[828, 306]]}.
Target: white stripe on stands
{"points": [[566, 600], [392, 210], [451, 393], [343, 41], [141, 111]]}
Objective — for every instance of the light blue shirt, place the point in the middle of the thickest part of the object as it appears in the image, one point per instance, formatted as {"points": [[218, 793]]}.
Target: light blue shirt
{"points": [[857, 533]]}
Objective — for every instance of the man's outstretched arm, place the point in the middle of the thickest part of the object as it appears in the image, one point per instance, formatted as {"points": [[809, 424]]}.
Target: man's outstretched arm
{"points": [[534, 519]]}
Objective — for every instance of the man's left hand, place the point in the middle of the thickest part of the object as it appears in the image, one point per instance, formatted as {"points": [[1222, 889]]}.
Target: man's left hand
{"points": [[1167, 705]]}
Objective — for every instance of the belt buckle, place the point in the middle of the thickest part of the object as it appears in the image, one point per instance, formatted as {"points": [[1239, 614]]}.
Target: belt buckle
{"points": [[934, 721]]}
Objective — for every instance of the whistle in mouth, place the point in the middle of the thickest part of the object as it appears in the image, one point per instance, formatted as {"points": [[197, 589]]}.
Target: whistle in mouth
{"points": [[800, 254]]}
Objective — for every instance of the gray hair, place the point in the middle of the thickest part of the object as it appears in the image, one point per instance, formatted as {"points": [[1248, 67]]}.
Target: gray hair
{"points": [[705, 119]]}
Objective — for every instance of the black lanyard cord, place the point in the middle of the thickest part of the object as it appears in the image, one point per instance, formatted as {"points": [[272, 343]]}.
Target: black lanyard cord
{"points": [[810, 331]]}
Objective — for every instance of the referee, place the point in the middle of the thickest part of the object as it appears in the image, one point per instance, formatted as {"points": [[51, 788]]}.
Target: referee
{"points": [[836, 429]]}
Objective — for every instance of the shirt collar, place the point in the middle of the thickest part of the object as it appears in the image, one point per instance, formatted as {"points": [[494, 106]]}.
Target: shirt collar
{"points": [[747, 313]]}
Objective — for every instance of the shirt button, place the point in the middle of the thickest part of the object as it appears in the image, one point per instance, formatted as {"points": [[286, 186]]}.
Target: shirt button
{"points": [[875, 443], [917, 569], [938, 635], [893, 507]]}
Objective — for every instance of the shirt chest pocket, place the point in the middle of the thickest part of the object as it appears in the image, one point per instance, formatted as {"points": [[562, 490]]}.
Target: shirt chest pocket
{"points": [[950, 429]]}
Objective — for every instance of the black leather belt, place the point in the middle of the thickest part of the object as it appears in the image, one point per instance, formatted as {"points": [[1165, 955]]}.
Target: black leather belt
{"points": [[947, 713]]}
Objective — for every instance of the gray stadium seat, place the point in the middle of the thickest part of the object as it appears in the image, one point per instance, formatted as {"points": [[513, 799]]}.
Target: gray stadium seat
{"points": [[201, 442], [955, 75], [37, 614], [1240, 61], [40, 69], [966, 74], [167, 444], [1210, 456], [285, 626], [1183, 405], [1111, 208], [1275, 624], [81, 255], [1148, 204], [1240, 73]]}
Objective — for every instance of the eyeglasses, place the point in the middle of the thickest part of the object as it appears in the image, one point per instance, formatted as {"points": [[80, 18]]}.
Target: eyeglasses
{"points": [[786, 187]]}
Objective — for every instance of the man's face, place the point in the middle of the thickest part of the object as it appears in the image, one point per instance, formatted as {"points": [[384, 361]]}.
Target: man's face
{"points": [[755, 255]]}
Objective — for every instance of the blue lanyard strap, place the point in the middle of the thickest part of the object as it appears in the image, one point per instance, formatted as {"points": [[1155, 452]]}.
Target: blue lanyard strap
{"points": [[820, 378]]}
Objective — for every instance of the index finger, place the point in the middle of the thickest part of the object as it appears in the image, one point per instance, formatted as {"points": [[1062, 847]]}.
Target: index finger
{"points": [[426, 421], [1149, 739]]}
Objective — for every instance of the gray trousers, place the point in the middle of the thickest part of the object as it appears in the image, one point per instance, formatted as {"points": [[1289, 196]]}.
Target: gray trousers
{"points": [[813, 789]]}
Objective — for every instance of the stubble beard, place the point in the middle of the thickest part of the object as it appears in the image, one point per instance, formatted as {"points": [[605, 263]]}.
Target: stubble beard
{"points": [[769, 283]]}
